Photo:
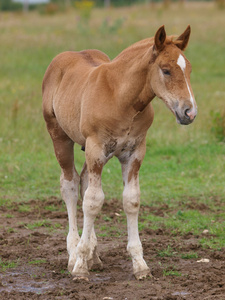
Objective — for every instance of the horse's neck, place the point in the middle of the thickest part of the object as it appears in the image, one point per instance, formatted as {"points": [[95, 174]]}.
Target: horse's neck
{"points": [[130, 69]]}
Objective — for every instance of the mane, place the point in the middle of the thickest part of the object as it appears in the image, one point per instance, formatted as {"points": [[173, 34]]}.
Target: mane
{"points": [[136, 48], [145, 44]]}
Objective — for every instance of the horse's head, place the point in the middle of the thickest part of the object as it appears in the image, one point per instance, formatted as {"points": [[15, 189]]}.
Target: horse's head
{"points": [[170, 75]]}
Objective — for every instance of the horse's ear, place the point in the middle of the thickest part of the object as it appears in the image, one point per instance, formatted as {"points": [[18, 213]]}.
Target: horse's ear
{"points": [[182, 41], [160, 38]]}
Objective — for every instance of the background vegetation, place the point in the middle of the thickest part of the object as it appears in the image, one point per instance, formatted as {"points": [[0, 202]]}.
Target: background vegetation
{"points": [[182, 164], [58, 5]]}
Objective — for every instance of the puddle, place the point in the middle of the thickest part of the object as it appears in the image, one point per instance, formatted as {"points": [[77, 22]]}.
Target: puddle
{"points": [[15, 281], [100, 278], [180, 294], [25, 288]]}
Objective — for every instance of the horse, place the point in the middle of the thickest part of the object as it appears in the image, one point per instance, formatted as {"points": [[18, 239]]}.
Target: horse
{"points": [[105, 106]]}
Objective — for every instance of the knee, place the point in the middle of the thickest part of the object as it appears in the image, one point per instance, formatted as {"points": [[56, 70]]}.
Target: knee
{"points": [[131, 201], [93, 201], [69, 188]]}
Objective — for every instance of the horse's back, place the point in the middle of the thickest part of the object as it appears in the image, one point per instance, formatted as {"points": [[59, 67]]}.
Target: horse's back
{"points": [[71, 60]]}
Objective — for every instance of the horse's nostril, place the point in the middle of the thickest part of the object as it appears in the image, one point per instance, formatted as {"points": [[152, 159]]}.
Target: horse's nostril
{"points": [[190, 114], [186, 113]]}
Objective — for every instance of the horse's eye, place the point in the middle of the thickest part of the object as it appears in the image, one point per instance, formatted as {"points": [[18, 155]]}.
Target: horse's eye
{"points": [[166, 72]]}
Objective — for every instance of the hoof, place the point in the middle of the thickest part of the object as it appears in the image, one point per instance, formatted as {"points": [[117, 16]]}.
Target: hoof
{"points": [[70, 266], [80, 273], [71, 262], [95, 263], [143, 274], [80, 278]]}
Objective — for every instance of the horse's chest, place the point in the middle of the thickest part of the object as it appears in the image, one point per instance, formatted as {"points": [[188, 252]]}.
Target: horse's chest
{"points": [[123, 148]]}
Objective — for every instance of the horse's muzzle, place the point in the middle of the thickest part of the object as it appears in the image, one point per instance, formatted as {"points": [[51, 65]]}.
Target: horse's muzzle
{"points": [[187, 117]]}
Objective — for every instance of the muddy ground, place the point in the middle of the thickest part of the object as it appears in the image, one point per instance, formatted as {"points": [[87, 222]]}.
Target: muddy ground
{"points": [[34, 258]]}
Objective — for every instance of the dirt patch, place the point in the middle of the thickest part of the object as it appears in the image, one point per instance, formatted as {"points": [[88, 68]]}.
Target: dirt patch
{"points": [[34, 258]]}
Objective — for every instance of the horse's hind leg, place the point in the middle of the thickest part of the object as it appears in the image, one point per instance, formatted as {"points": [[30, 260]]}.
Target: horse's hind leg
{"points": [[69, 183], [94, 261]]}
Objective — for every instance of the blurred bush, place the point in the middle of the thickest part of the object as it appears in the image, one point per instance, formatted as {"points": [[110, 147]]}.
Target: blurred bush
{"points": [[8, 5], [49, 9], [220, 4], [218, 128], [84, 7], [108, 27]]}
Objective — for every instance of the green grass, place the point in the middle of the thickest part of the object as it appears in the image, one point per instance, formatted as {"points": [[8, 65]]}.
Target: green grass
{"points": [[171, 273], [10, 230], [24, 208], [168, 252], [51, 208], [5, 265], [189, 220], [37, 262], [38, 224], [9, 216], [180, 163], [191, 255]]}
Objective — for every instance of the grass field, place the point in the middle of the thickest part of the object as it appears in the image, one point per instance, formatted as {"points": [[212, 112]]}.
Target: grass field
{"points": [[182, 164]]}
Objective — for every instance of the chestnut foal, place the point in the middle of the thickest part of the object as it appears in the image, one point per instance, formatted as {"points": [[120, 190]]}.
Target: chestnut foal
{"points": [[105, 106]]}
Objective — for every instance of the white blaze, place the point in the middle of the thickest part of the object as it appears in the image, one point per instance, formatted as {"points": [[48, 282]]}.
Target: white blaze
{"points": [[182, 64]]}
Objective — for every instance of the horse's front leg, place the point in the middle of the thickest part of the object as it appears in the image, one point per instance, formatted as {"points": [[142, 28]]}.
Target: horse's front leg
{"points": [[92, 203], [94, 261], [131, 204]]}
